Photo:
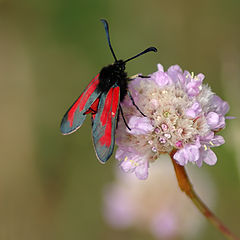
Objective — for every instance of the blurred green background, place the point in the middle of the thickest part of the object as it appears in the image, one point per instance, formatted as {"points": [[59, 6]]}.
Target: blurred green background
{"points": [[51, 185]]}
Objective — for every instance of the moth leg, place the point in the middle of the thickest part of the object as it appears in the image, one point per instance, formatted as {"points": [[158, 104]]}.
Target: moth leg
{"points": [[133, 77], [117, 118], [134, 104], [137, 75], [124, 118], [92, 119], [142, 76]]}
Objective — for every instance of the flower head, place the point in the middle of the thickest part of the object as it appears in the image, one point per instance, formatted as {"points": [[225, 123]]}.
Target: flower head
{"points": [[182, 114]]}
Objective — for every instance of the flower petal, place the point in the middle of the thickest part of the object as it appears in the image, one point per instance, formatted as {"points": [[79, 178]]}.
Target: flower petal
{"points": [[208, 156], [142, 171], [174, 72], [199, 162], [212, 119], [161, 78], [139, 125], [217, 141], [189, 153], [215, 121], [193, 87], [160, 67], [194, 110], [208, 137], [127, 166], [200, 77], [181, 157], [219, 106]]}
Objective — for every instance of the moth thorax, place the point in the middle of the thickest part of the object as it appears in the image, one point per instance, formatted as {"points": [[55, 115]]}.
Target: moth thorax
{"points": [[110, 75]]}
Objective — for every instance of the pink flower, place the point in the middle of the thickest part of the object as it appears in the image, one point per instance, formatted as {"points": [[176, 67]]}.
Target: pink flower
{"points": [[131, 161], [119, 211], [164, 224], [182, 114], [148, 205]]}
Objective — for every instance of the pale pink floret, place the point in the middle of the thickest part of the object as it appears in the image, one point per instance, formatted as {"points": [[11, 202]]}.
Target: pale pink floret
{"points": [[139, 125], [218, 105], [175, 73], [160, 77], [215, 121], [194, 110], [194, 85], [131, 161], [190, 153]]}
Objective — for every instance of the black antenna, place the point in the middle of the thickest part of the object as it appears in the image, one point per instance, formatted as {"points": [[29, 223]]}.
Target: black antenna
{"points": [[108, 37], [150, 49]]}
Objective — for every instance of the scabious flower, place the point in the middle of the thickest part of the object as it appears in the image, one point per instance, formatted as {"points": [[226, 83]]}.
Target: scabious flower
{"points": [[157, 205], [182, 115]]}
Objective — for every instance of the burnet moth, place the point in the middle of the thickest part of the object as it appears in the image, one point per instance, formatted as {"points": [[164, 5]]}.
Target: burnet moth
{"points": [[102, 99]]}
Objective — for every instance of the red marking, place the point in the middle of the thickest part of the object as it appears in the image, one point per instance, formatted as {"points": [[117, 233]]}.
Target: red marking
{"points": [[88, 92], [115, 100], [72, 111], [81, 101], [109, 112], [107, 107], [106, 138], [108, 131], [94, 107]]}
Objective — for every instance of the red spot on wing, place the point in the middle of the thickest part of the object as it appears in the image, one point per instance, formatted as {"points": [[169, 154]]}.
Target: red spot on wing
{"points": [[109, 112], [94, 107], [115, 101], [106, 138], [107, 107], [81, 101], [88, 92]]}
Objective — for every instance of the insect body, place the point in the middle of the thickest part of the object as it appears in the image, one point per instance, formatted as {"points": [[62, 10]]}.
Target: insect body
{"points": [[114, 73], [102, 99]]}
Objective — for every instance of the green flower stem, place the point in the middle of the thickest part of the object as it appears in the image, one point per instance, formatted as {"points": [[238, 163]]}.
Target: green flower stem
{"points": [[186, 186]]}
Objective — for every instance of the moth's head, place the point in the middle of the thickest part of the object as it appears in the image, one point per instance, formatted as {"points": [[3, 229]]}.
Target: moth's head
{"points": [[120, 64]]}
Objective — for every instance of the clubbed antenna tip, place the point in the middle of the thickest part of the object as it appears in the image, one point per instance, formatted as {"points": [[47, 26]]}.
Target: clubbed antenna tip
{"points": [[105, 23], [150, 49]]}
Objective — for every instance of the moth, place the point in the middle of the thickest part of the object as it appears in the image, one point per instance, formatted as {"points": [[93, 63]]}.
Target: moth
{"points": [[102, 99]]}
